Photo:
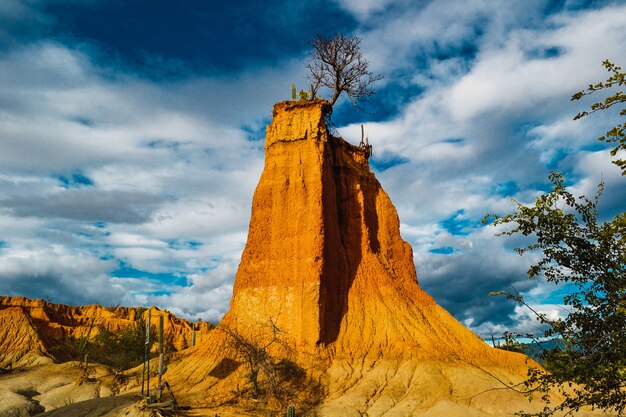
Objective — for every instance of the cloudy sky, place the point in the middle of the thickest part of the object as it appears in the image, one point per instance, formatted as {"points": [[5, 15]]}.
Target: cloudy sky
{"points": [[131, 137]]}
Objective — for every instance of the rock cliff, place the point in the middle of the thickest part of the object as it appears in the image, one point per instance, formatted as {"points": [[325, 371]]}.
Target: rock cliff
{"points": [[325, 264], [31, 329], [324, 257]]}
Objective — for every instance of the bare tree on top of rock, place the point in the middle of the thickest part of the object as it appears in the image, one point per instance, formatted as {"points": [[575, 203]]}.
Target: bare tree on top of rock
{"points": [[339, 65]]}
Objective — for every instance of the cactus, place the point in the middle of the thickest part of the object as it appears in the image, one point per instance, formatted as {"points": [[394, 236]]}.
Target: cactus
{"points": [[362, 144], [84, 340], [293, 91], [146, 359], [161, 359], [291, 411], [304, 95], [312, 93]]}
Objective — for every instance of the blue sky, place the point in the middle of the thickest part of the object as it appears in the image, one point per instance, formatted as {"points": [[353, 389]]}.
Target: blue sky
{"points": [[131, 138]]}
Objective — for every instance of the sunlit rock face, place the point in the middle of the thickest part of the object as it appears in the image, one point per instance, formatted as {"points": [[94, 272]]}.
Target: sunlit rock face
{"points": [[324, 257], [30, 330], [320, 222], [326, 264]]}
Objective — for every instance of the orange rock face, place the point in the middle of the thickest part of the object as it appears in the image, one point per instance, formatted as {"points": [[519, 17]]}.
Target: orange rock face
{"points": [[324, 257], [20, 343], [29, 328], [325, 262]]}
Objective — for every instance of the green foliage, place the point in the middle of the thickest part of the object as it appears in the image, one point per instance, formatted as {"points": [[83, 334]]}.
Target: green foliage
{"points": [[291, 411], [303, 95], [510, 341], [83, 342], [615, 134], [589, 257], [123, 349], [67, 350]]}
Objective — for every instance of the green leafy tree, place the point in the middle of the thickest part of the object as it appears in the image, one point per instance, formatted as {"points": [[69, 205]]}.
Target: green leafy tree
{"points": [[615, 134], [588, 257]]}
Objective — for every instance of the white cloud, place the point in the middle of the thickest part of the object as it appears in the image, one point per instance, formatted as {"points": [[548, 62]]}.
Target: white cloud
{"points": [[208, 295], [511, 79], [73, 276], [499, 120], [132, 240], [167, 163], [173, 170], [362, 9]]}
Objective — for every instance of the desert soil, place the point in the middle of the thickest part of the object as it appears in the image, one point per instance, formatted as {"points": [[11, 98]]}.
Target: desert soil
{"points": [[97, 407]]}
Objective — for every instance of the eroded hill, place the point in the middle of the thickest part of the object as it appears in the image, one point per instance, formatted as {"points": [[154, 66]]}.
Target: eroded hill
{"points": [[36, 332]]}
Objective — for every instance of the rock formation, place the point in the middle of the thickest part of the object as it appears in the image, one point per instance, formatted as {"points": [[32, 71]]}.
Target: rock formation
{"points": [[324, 257], [325, 263], [30, 328], [20, 343], [326, 273]]}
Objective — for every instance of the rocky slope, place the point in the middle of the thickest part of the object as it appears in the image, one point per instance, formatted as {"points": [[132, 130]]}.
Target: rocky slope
{"points": [[35, 333], [31, 329], [325, 264], [20, 343]]}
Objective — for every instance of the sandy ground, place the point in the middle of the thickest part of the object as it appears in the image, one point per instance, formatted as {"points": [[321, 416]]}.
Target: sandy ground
{"points": [[61, 390], [31, 390], [97, 407], [128, 405]]}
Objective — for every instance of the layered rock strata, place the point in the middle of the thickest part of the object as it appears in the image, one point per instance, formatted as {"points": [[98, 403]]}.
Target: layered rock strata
{"points": [[325, 264], [30, 328]]}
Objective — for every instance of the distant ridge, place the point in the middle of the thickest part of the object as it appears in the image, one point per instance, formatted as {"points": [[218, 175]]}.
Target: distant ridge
{"points": [[30, 329]]}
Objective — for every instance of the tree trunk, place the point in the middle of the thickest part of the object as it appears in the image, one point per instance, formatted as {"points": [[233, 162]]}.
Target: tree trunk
{"points": [[336, 94]]}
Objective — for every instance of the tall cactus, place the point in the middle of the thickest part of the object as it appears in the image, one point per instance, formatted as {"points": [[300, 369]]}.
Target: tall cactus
{"points": [[362, 143], [161, 361], [293, 92], [291, 411], [84, 340], [146, 360]]}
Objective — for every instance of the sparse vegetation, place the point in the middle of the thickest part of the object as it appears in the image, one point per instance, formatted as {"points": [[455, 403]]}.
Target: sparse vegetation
{"points": [[615, 134], [120, 350], [510, 342], [271, 376], [263, 368], [339, 65]]}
